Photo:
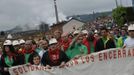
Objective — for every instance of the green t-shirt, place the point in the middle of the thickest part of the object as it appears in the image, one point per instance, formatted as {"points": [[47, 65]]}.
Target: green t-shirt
{"points": [[91, 47], [26, 58], [76, 50], [8, 61]]}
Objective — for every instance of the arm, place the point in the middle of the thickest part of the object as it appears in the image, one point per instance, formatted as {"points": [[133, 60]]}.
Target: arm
{"points": [[85, 50], [43, 60]]}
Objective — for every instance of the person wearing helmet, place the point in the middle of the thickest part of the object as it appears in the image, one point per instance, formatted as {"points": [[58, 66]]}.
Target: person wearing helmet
{"points": [[8, 58], [22, 43], [54, 56], [16, 45], [129, 42]]}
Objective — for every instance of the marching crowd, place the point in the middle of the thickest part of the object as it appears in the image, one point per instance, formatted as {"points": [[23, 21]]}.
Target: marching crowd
{"points": [[62, 47]]}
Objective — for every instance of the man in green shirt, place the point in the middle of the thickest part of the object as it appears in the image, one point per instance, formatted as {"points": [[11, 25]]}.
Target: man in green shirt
{"points": [[77, 48]]}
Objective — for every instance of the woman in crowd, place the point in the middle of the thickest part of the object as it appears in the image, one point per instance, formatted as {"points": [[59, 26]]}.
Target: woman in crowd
{"points": [[8, 58]]}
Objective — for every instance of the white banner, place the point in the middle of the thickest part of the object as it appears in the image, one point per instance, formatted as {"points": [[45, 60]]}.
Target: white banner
{"points": [[107, 62]]}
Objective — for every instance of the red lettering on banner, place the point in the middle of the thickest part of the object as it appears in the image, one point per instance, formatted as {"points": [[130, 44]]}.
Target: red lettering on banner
{"points": [[75, 61], [82, 60], [119, 54], [43, 68], [71, 63], [124, 53], [92, 58], [114, 54], [105, 55], [87, 59], [129, 53], [32, 68], [37, 68], [15, 71], [20, 70], [133, 52], [24, 69], [100, 56], [110, 55], [67, 65]]}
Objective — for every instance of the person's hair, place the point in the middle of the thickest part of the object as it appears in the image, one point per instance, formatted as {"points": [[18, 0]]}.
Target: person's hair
{"points": [[104, 28], [10, 47], [46, 40], [33, 56], [33, 42]]}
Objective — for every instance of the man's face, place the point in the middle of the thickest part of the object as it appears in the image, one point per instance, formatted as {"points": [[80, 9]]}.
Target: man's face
{"points": [[65, 38], [7, 49], [123, 32], [28, 46], [57, 34], [104, 33], [17, 47], [22, 45], [53, 46], [85, 35], [80, 39], [131, 34], [44, 45]]}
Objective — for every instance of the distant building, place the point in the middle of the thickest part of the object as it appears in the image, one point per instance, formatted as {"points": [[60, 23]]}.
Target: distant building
{"points": [[43, 27], [72, 25]]}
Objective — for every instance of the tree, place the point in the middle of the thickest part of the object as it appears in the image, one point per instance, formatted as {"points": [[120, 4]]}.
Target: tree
{"points": [[118, 15]]}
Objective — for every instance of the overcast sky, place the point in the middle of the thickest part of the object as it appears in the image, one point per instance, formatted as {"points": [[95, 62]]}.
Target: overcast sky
{"points": [[21, 12]]}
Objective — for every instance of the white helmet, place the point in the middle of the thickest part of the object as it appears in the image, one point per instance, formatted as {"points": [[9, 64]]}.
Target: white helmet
{"points": [[76, 32], [15, 42], [131, 27], [52, 41], [7, 42], [96, 31], [84, 31], [22, 41]]}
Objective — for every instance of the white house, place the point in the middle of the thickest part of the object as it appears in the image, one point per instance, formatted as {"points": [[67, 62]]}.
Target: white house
{"points": [[71, 25]]}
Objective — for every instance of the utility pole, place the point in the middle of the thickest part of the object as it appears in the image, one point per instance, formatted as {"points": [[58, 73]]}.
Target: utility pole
{"points": [[56, 12], [120, 2], [116, 3]]}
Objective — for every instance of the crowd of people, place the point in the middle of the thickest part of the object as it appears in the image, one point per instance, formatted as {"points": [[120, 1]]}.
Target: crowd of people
{"points": [[62, 47]]}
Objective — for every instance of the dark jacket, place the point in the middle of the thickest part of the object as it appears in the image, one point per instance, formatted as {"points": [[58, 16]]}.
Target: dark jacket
{"points": [[100, 45], [30, 59], [46, 59], [3, 64]]}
